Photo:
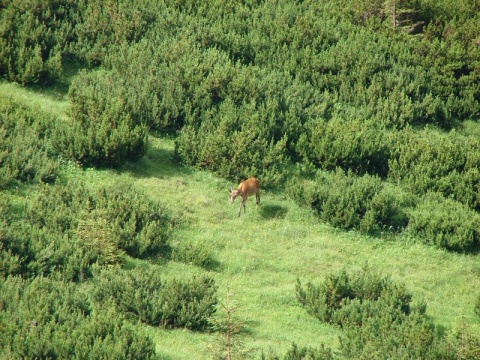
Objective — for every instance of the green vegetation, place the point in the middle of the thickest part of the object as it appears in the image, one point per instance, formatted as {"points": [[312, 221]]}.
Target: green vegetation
{"points": [[123, 125]]}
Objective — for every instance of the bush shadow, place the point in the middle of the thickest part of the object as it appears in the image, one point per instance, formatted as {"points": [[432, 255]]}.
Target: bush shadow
{"points": [[273, 211], [158, 162]]}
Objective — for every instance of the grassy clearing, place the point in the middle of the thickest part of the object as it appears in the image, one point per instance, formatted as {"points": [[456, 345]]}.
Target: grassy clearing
{"points": [[261, 254], [51, 102]]}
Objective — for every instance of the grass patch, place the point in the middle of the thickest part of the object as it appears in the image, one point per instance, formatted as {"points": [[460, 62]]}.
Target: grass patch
{"points": [[56, 105], [258, 257], [261, 254]]}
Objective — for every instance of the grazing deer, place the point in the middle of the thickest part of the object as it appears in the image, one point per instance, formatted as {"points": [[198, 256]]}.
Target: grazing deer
{"points": [[245, 189]]}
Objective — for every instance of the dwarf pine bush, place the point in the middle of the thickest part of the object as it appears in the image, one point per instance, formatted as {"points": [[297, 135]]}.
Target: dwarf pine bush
{"points": [[445, 223], [376, 316], [348, 201], [25, 150], [104, 129], [47, 318], [143, 294], [68, 228], [345, 299]]}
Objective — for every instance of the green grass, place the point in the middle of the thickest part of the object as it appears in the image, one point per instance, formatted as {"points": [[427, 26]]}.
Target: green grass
{"points": [[259, 256], [50, 102]]}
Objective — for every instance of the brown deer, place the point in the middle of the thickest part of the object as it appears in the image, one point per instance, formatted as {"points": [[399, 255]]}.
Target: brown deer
{"points": [[245, 189]]}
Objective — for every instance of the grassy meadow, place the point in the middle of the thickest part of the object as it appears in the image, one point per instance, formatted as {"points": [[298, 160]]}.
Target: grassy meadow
{"points": [[259, 256], [256, 259]]}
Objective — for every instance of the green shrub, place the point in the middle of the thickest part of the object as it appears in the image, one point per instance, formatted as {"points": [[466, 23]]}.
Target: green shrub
{"points": [[235, 143], [68, 228], [348, 201], [104, 129], [389, 334], [142, 293], [195, 253], [37, 240], [101, 26], [445, 223], [96, 233], [25, 151], [432, 161], [375, 314], [346, 299], [138, 225], [32, 39], [45, 318], [352, 145]]}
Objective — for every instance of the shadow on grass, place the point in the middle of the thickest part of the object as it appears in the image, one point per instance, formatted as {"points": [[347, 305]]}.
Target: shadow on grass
{"points": [[273, 211], [158, 162], [60, 87]]}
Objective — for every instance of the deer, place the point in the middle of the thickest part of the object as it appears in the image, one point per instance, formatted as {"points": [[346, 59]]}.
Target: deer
{"points": [[245, 189]]}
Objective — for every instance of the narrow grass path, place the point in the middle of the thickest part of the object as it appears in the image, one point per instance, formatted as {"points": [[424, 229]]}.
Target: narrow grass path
{"points": [[53, 102], [261, 255]]}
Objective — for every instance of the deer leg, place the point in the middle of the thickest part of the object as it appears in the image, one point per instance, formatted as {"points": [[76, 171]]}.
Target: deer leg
{"points": [[257, 195], [240, 209]]}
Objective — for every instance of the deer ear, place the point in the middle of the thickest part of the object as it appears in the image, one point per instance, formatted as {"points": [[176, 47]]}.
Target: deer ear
{"points": [[231, 189]]}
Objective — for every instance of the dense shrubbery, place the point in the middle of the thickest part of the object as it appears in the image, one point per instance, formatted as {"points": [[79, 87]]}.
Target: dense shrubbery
{"points": [[303, 353], [431, 161], [233, 148], [353, 145], [101, 25], [143, 294], [347, 300], [445, 223], [376, 316], [139, 226], [25, 151], [46, 318], [350, 202], [67, 228], [104, 129], [53, 247], [36, 239], [33, 36]]}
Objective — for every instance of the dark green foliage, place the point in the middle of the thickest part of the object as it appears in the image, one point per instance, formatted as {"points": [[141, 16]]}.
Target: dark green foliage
{"points": [[349, 299], [445, 223], [320, 353], [38, 241], [351, 145], [33, 36], [142, 293], [350, 202], [376, 316], [235, 144], [48, 319], [25, 152], [303, 353], [389, 334], [432, 161], [50, 232], [139, 226], [104, 129], [104, 24]]}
